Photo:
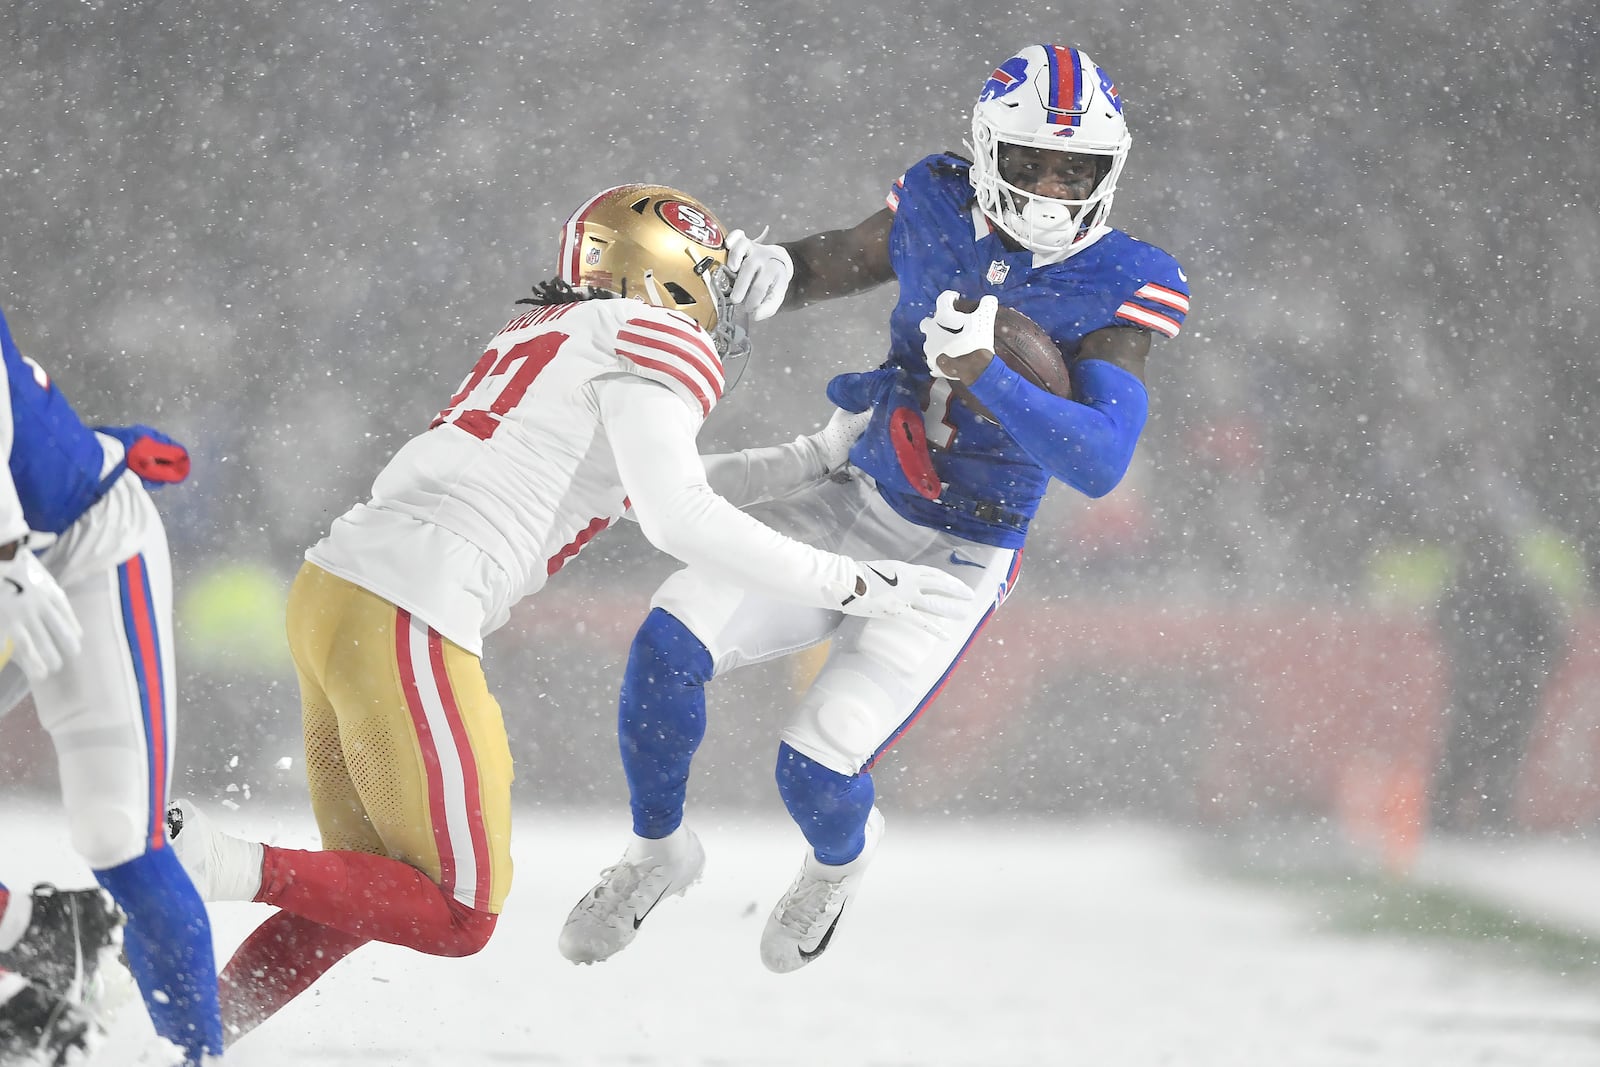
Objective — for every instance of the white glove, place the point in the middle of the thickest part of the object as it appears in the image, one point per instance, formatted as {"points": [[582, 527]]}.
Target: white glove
{"points": [[833, 441], [35, 618], [948, 332], [761, 274], [922, 596]]}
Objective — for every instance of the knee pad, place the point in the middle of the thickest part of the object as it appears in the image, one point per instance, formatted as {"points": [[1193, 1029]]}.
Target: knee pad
{"points": [[839, 725], [106, 836]]}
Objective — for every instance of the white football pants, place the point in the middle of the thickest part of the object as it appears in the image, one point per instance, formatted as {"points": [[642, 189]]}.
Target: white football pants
{"points": [[109, 710], [880, 673]]}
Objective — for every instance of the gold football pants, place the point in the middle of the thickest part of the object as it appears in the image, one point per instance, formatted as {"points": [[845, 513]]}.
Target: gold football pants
{"points": [[406, 751]]}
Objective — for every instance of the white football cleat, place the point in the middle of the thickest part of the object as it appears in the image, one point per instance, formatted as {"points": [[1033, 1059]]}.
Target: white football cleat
{"points": [[608, 917], [802, 925], [222, 867]]}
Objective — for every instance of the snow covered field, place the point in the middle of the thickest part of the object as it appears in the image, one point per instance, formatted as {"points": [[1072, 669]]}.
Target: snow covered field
{"points": [[973, 944]]}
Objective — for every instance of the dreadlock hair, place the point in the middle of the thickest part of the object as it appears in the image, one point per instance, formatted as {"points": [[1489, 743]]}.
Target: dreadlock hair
{"points": [[556, 291]]}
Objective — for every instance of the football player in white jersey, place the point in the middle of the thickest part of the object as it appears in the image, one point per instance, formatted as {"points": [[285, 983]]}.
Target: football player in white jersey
{"points": [[585, 406]]}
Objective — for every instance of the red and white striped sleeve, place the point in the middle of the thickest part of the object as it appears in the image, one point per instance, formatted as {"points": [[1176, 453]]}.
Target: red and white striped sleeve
{"points": [[1156, 307], [669, 347]]}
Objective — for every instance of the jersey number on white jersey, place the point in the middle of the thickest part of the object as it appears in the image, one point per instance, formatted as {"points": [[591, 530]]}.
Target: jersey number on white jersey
{"points": [[494, 388]]}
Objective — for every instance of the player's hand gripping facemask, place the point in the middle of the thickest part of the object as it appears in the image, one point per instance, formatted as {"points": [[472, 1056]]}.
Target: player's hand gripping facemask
{"points": [[762, 273]]}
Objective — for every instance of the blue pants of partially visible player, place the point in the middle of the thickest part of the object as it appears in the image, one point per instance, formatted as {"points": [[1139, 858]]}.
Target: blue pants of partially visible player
{"points": [[879, 676], [110, 715]]}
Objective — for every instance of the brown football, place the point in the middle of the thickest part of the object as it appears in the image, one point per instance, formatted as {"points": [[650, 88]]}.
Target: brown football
{"points": [[1023, 346]]}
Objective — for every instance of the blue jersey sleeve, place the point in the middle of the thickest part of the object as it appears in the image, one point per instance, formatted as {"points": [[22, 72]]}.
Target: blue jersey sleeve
{"points": [[1157, 294], [58, 466], [1087, 444]]}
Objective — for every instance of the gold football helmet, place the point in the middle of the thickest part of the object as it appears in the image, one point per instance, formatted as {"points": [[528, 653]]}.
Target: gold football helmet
{"points": [[664, 247]]}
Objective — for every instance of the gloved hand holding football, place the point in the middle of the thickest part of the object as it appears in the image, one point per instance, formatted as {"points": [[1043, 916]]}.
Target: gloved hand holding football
{"points": [[948, 332]]}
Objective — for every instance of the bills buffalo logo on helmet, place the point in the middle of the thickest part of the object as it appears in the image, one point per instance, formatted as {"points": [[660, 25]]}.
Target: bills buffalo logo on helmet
{"points": [[1110, 90], [1006, 77], [690, 221]]}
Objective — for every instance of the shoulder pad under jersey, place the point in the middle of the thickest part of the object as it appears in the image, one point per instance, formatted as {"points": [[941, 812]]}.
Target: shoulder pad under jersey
{"points": [[669, 347], [1159, 300]]}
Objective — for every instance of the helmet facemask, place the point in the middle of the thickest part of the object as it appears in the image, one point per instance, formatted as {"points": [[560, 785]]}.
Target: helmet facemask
{"points": [[1054, 99], [731, 335]]}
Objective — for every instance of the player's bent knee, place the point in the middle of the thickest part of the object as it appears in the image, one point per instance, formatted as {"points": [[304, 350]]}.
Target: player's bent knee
{"points": [[106, 836], [702, 605], [665, 642], [841, 731], [473, 930]]}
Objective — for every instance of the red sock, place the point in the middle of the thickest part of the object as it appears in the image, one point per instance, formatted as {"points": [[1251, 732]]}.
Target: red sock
{"points": [[375, 898], [5, 898], [276, 963]]}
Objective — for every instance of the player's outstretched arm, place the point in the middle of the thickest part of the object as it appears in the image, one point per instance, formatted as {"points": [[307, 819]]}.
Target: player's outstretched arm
{"points": [[652, 434], [840, 262], [752, 475]]}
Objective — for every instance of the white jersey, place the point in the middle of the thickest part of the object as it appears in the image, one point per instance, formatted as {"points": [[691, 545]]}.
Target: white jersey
{"points": [[575, 412]]}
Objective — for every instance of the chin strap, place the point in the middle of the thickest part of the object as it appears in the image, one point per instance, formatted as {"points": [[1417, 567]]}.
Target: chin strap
{"points": [[652, 291]]}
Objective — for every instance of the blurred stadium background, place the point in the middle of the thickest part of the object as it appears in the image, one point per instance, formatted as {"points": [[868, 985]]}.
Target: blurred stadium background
{"points": [[283, 230]]}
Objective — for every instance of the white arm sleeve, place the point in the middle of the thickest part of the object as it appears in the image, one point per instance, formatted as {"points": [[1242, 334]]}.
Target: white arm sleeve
{"points": [[652, 436], [755, 474]]}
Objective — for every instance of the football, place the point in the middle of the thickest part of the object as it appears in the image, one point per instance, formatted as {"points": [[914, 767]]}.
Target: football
{"points": [[1023, 346]]}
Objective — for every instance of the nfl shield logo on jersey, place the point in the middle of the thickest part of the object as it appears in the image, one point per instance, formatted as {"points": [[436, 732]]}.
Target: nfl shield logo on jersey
{"points": [[997, 272]]}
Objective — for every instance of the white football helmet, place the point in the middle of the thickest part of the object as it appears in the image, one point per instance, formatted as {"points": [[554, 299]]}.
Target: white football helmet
{"points": [[1054, 98]]}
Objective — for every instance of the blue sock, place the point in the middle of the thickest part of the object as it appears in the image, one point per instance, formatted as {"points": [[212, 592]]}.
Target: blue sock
{"points": [[168, 941], [661, 720], [830, 808]]}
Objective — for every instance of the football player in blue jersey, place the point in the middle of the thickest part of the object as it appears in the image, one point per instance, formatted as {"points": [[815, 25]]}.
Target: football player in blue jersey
{"points": [[1024, 223], [86, 615]]}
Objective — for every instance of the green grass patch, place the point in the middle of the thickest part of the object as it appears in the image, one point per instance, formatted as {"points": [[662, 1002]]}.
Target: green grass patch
{"points": [[1358, 902]]}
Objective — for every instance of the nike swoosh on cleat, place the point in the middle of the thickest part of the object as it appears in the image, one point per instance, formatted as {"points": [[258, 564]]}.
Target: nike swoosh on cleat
{"points": [[964, 562], [823, 944], [638, 920], [891, 582]]}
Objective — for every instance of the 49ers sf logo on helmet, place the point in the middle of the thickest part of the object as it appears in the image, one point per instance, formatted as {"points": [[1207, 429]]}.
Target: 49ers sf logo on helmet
{"points": [[690, 221]]}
